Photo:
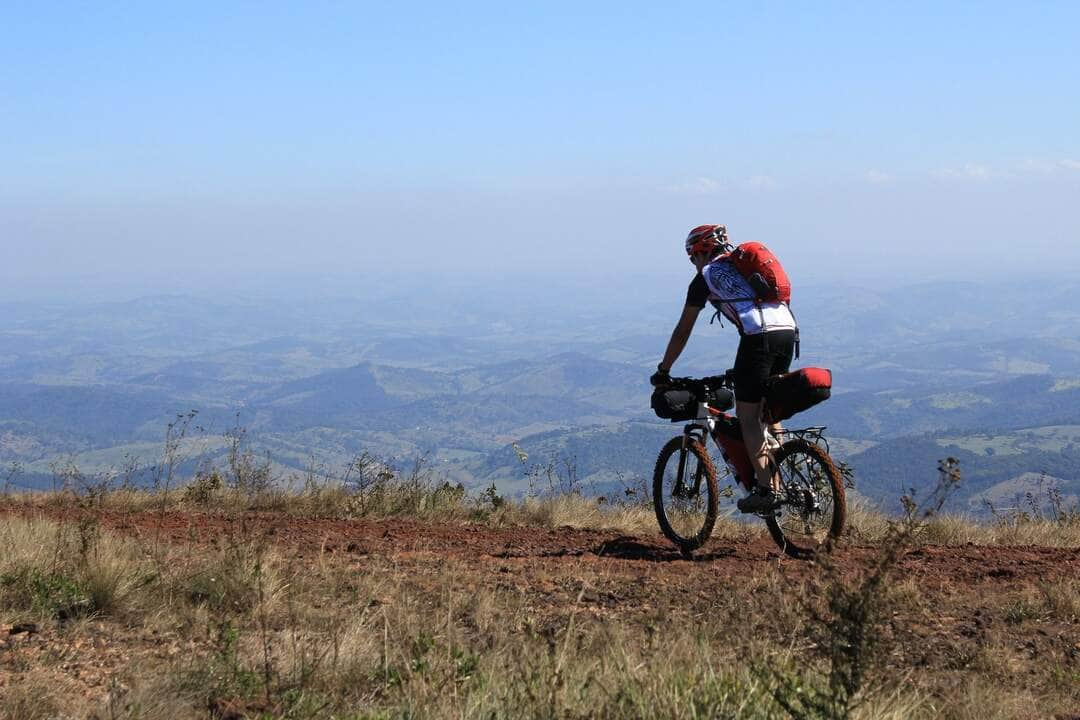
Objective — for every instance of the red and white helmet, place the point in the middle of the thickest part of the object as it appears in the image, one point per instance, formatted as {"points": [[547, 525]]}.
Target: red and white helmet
{"points": [[706, 238]]}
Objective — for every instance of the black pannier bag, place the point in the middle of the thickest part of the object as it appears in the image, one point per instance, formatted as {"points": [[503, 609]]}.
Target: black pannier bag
{"points": [[674, 405], [794, 392]]}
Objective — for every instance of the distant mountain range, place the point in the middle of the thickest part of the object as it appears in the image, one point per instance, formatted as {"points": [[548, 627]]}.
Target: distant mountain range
{"points": [[919, 373]]}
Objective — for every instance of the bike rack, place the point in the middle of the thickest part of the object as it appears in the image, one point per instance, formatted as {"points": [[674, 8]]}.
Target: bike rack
{"points": [[813, 434]]}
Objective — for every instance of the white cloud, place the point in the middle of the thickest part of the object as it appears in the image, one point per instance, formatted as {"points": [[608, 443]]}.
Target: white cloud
{"points": [[761, 182], [970, 171], [1050, 167], [1030, 167], [1034, 166], [876, 177], [712, 186], [697, 186]]}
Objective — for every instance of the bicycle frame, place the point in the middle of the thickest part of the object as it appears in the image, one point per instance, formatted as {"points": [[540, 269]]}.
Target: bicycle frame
{"points": [[811, 491], [726, 432]]}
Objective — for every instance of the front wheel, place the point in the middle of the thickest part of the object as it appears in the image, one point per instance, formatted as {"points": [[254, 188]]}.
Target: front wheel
{"points": [[812, 509], [684, 493]]}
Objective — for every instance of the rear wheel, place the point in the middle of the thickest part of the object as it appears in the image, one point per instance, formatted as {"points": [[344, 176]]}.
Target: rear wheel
{"points": [[812, 510], [684, 493]]}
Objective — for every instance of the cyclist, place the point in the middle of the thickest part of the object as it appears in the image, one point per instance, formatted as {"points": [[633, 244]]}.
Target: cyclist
{"points": [[767, 340]]}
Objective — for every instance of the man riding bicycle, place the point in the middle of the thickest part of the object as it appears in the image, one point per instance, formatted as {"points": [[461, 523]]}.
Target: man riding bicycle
{"points": [[768, 336]]}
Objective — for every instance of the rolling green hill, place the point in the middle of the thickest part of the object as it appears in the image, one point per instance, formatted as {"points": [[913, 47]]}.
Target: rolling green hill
{"points": [[331, 374]]}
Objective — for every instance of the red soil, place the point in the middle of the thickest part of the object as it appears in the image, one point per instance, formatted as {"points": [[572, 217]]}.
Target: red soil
{"points": [[603, 551]]}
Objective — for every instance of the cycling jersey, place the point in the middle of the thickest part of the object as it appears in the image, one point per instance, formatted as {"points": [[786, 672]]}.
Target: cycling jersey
{"points": [[721, 284]]}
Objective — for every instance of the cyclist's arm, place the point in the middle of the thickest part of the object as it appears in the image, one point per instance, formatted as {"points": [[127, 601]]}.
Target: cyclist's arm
{"points": [[680, 335]]}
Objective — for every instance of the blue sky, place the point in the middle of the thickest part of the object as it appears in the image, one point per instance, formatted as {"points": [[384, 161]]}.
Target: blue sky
{"points": [[315, 136]]}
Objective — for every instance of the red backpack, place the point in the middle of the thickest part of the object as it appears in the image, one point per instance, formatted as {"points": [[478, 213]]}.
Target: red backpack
{"points": [[763, 271]]}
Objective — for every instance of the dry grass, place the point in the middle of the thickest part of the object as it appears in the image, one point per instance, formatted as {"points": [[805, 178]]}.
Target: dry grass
{"points": [[580, 512], [1060, 600], [591, 513], [67, 569], [983, 698], [41, 699], [372, 491], [292, 639], [869, 525], [368, 488], [253, 631], [241, 627]]}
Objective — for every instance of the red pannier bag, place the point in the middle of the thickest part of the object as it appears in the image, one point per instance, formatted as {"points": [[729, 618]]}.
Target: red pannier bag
{"points": [[794, 392]]}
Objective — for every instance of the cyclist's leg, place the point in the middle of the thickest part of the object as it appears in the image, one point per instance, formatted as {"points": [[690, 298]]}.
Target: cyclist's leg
{"points": [[753, 365], [753, 432]]}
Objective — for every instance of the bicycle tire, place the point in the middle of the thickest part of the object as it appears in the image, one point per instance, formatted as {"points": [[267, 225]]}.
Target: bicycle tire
{"points": [[687, 520], [812, 499]]}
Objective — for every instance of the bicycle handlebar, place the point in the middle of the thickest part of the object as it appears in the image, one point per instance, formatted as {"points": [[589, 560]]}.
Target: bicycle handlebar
{"points": [[700, 385], [714, 389]]}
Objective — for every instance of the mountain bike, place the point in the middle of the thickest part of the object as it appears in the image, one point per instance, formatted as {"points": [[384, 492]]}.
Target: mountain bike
{"points": [[811, 509]]}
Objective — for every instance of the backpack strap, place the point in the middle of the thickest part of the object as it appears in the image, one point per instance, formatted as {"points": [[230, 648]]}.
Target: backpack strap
{"points": [[764, 327], [796, 330]]}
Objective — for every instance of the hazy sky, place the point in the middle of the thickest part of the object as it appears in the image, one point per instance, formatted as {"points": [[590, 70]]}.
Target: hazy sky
{"points": [[176, 140]]}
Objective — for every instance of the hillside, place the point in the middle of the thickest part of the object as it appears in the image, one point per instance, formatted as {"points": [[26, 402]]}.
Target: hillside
{"points": [[323, 378]]}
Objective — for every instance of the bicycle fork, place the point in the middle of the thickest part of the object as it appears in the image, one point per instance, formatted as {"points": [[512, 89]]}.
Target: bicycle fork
{"points": [[691, 434]]}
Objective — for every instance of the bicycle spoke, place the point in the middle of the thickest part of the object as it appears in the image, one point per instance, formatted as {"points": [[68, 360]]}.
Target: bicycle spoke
{"points": [[809, 506], [684, 490]]}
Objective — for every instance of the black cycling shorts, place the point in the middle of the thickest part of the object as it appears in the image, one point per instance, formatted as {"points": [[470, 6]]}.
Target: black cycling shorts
{"points": [[760, 356]]}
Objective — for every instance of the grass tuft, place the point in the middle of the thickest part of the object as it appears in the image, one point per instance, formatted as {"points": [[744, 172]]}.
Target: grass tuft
{"points": [[244, 625]]}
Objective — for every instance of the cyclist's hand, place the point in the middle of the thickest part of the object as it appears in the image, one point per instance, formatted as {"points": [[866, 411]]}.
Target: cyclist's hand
{"points": [[660, 377]]}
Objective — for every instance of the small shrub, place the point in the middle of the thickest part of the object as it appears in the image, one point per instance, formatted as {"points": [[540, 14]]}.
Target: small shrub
{"points": [[68, 570], [228, 580], [50, 594], [223, 675], [1061, 600], [846, 619], [490, 498], [1018, 611], [203, 488]]}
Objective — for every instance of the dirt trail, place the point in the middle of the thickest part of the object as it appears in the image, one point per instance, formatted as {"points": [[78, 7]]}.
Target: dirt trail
{"points": [[565, 548]]}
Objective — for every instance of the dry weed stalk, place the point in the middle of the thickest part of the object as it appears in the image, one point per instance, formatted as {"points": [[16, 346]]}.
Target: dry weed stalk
{"points": [[845, 619]]}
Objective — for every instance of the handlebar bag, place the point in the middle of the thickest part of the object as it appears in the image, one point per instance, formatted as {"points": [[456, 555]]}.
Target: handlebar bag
{"points": [[674, 405], [794, 392]]}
